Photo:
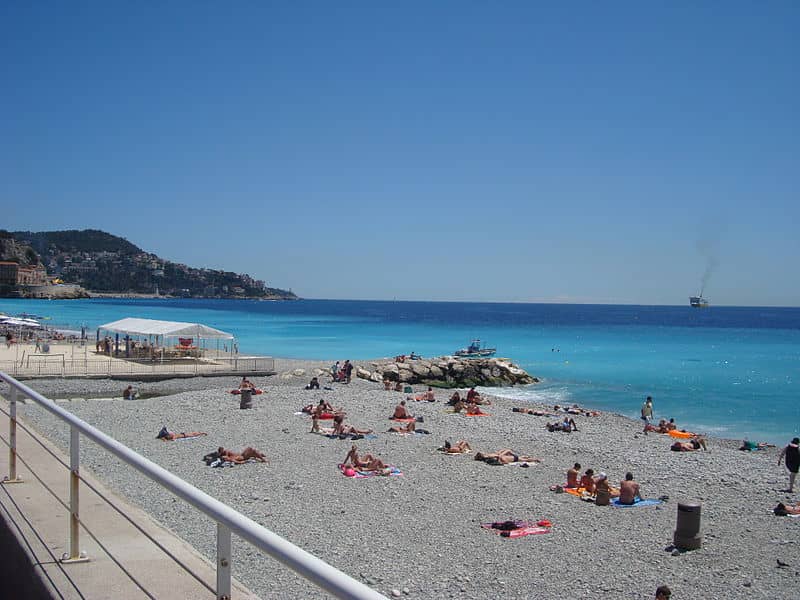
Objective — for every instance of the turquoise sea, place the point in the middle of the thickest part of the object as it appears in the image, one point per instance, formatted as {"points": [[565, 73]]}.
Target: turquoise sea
{"points": [[728, 371]]}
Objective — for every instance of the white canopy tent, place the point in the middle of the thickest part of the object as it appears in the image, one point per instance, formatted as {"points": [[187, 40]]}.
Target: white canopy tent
{"points": [[158, 331], [150, 327]]}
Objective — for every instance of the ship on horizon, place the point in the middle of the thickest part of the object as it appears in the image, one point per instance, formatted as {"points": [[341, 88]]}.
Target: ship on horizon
{"points": [[698, 301]]}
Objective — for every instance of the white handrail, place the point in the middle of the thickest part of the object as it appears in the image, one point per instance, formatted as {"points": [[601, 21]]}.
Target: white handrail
{"points": [[329, 578]]}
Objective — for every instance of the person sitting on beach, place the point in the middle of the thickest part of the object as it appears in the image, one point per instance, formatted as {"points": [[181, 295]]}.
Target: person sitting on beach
{"points": [[473, 397], [460, 447], [474, 410], [691, 445], [783, 510], [342, 429], [241, 457], [602, 490], [401, 412], [660, 428], [368, 463], [428, 396], [167, 435], [323, 407], [573, 476], [587, 481], [504, 457], [398, 387], [629, 491], [313, 384], [129, 393], [750, 446], [455, 398], [670, 426], [387, 385]]}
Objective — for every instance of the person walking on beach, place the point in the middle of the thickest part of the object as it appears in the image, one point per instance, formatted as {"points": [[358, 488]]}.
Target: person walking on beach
{"points": [[348, 370], [792, 454], [647, 412]]}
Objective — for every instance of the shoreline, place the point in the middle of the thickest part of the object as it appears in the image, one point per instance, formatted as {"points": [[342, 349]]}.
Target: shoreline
{"points": [[420, 531]]}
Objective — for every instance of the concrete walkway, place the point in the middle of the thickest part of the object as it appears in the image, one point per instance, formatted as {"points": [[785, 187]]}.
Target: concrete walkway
{"points": [[41, 527]]}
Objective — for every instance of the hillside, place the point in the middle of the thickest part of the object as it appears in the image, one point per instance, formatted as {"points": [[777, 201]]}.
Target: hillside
{"points": [[108, 264]]}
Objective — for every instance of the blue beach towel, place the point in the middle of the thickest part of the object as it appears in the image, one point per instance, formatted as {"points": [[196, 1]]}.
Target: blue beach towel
{"points": [[646, 502]]}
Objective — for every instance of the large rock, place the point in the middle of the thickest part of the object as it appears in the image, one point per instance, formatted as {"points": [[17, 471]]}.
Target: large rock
{"points": [[449, 371]]}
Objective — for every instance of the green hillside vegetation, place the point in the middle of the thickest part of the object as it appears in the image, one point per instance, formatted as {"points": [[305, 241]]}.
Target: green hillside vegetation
{"points": [[105, 263]]}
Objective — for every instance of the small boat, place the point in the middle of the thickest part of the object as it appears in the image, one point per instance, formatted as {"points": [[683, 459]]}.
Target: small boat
{"points": [[475, 350], [698, 302]]}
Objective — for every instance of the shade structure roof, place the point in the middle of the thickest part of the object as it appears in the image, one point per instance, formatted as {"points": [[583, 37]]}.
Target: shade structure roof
{"points": [[133, 326]]}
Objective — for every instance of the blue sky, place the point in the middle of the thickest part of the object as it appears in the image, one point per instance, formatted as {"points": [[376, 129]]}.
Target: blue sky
{"points": [[515, 151]]}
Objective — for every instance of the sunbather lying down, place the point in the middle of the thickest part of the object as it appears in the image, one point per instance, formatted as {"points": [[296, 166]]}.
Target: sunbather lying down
{"points": [[747, 445], [407, 428], [460, 447], [367, 463], [782, 509], [504, 456], [693, 444], [532, 411], [244, 456], [167, 435]]}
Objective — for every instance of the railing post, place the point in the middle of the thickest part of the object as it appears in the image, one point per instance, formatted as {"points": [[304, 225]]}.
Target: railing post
{"points": [[74, 553], [223, 562], [12, 439]]}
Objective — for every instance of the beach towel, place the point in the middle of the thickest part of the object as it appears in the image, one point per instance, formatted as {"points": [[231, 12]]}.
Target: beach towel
{"points": [[514, 529], [639, 502], [389, 471], [479, 415], [684, 435], [443, 451], [522, 463]]}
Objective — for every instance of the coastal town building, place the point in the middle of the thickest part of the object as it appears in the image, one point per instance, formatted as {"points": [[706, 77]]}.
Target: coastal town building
{"points": [[12, 273]]}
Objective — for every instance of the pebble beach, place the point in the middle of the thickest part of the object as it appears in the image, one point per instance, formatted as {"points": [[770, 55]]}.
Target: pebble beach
{"points": [[418, 535]]}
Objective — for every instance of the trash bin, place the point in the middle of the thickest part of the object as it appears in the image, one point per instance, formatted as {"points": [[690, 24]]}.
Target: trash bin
{"points": [[687, 531]]}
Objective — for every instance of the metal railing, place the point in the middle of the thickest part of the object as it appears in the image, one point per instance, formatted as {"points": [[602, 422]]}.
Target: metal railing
{"points": [[60, 365], [229, 521]]}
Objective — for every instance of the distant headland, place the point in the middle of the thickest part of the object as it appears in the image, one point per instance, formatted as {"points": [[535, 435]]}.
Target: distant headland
{"points": [[93, 263]]}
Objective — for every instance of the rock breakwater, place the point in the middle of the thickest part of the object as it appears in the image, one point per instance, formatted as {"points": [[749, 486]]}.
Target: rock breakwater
{"points": [[449, 371]]}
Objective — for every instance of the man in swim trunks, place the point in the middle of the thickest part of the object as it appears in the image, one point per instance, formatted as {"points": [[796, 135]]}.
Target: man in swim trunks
{"points": [[401, 412], [504, 457], [647, 412], [792, 454], [573, 476], [340, 428], [629, 490]]}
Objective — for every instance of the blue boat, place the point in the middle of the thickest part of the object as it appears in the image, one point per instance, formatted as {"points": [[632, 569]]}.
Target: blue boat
{"points": [[475, 350]]}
